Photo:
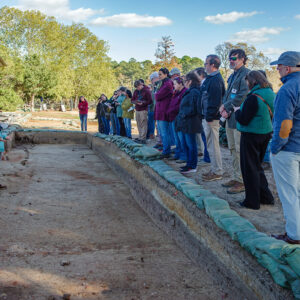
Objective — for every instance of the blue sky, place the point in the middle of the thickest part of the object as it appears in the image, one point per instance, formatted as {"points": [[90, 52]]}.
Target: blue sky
{"points": [[132, 28]]}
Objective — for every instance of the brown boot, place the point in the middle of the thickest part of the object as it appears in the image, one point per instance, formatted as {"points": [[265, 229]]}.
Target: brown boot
{"points": [[212, 177], [230, 183], [237, 188]]}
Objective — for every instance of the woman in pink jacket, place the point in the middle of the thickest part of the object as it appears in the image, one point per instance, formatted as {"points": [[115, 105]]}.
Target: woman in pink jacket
{"points": [[83, 108]]}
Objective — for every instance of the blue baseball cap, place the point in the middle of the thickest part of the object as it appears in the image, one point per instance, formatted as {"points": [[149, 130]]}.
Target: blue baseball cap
{"points": [[288, 58]]}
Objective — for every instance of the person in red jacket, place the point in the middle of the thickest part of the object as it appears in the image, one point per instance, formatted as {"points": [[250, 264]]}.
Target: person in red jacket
{"points": [[83, 108], [142, 99], [163, 98]]}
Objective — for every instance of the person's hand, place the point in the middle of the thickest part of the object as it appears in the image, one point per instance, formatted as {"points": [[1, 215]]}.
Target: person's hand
{"points": [[224, 114], [235, 108], [221, 109]]}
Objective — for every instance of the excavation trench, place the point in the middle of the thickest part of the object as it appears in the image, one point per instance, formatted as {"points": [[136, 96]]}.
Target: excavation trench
{"points": [[81, 217]]}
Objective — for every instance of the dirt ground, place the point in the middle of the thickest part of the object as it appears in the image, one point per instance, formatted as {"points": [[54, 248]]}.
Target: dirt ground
{"points": [[70, 226], [268, 219]]}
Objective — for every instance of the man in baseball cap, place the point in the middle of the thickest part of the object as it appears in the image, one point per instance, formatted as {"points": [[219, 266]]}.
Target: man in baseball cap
{"points": [[285, 145]]}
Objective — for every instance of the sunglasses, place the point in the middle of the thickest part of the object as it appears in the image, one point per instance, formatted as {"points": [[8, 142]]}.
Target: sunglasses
{"points": [[233, 58]]}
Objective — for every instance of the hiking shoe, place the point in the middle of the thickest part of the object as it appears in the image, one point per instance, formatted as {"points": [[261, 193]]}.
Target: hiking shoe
{"points": [[141, 142], [236, 189], [157, 146], [180, 161], [207, 174], [172, 158], [285, 238], [230, 183], [212, 177], [188, 170]]}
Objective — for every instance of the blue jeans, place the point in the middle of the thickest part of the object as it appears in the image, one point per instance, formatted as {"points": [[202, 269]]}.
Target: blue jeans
{"points": [[127, 124], [164, 131], [206, 157], [151, 123], [83, 121], [286, 169], [105, 123], [180, 151], [192, 151], [113, 128], [267, 154]]}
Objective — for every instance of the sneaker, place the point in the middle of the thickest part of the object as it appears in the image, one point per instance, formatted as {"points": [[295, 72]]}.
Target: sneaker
{"points": [[173, 158], [141, 142], [157, 146], [188, 170], [180, 161], [230, 183], [212, 177], [236, 189], [207, 174], [285, 238]]}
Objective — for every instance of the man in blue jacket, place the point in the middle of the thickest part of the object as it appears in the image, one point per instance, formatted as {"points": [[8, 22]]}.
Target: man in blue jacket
{"points": [[213, 90], [285, 145]]}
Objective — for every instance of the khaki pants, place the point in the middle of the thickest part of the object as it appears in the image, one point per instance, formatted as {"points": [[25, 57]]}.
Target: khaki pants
{"points": [[233, 138], [212, 139], [142, 123]]}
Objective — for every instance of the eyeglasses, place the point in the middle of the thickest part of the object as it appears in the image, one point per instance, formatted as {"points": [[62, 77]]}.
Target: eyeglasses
{"points": [[233, 58]]}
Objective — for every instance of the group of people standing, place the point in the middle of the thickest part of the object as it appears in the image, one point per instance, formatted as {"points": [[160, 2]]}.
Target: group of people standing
{"points": [[187, 111]]}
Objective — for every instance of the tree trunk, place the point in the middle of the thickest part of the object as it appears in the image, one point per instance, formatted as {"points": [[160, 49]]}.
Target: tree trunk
{"points": [[32, 102]]}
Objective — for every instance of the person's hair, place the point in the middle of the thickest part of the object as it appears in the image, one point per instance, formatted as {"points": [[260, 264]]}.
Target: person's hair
{"points": [[142, 80], [193, 77], [214, 60], [201, 72], [129, 94], [263, 72], [103, 95], [122, 89], [179, 80], [240, 53], [81, 98], [257, 78], [165, 71], [138, 83]]}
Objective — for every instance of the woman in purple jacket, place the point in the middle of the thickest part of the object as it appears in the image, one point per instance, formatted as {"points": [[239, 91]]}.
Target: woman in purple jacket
{"points": [[163, 98], [179, 90]]}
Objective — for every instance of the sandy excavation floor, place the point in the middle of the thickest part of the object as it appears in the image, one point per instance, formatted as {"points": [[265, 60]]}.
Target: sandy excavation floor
{"points": [[70, 226]]}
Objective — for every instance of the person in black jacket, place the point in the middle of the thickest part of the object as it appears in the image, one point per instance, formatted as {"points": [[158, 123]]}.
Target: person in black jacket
{"points": [[102, 114], [213, 90], [189, 120]]}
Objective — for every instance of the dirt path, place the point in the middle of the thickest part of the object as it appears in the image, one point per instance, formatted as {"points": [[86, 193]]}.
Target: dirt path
{"points": [[70, 226]]}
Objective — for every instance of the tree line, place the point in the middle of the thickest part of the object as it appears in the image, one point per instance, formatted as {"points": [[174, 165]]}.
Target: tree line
{"points": [[45, 58]]}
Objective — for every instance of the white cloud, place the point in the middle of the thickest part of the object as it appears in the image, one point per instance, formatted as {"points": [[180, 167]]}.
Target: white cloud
{"points": [[256, 36], [297, 17], [273, 51], [58, 8], [131, 20], [229, 17]]}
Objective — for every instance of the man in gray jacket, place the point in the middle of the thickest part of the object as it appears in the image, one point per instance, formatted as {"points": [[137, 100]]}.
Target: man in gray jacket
{"points": [[236, 93]]}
